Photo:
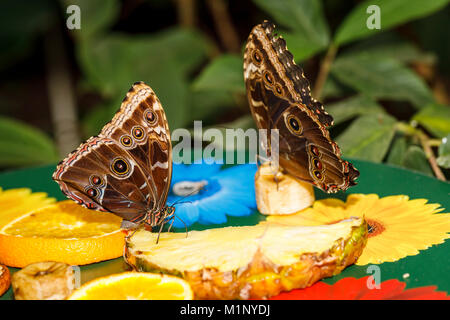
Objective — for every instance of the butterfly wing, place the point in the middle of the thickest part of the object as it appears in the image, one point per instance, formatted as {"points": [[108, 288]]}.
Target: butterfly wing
{"points": [[279, 98], [306, 153], [142, 120], [126, 169]]}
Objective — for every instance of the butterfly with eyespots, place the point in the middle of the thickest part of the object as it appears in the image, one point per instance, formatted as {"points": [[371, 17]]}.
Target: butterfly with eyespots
{"points": [[279, 97], [127, 168]]}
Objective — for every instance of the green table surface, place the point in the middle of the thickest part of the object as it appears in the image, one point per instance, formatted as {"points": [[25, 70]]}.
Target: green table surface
{"points": [[430, 267]]}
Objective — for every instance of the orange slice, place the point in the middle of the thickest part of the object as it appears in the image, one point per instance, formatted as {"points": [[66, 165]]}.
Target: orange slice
{"points": [[134, 286], [62, 232]]}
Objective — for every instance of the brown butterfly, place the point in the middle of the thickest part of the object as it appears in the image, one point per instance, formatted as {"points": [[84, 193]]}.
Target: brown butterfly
{"points": [[127, 168], [279, 97]]}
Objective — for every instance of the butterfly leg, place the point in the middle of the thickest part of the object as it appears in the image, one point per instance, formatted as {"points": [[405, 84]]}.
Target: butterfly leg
{"points": [[172, 219], [260, 160], [185, 226], [159, 232]]}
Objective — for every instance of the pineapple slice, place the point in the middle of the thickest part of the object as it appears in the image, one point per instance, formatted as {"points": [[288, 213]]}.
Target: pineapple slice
{"points": [[253, 261]]}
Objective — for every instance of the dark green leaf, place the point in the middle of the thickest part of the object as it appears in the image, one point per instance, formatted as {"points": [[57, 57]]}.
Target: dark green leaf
{"points": [[334, 89], [393, 13], [23, 145], [444, 153], [111, 62], [382, 78], [354, 106], [107, 63], [163, 61], [368, 137], [223, 73], [390, 45], [96, 16], [415, 159], [21, 17], [207, 103], [98, 116], [428, 32], [398, 151], [20, 23], [301, 47], [304, 17], [187, 48], [435, 118]]}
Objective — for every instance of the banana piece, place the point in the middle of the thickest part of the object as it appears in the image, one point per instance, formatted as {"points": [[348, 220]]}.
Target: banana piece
{"points": [[43, 281], [5, 279], [281, 193]]}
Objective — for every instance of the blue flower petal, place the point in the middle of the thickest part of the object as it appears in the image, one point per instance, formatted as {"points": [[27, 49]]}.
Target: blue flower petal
{"points": [[229, 192], [187, 212], [243, 196], [211, 213]]}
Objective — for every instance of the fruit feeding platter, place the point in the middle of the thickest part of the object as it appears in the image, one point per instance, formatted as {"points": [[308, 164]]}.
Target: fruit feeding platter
{"points": [[381, 239]]}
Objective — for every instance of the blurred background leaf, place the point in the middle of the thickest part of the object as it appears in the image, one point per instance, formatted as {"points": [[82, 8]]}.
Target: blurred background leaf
{"points": [[398, 151], [390, 45], [381, 77], [435, 118], [393, 13], [415, 159], [224, 73], [163, 60], [96, 16], [303, 17], [368, 137], [355, 106], [388, 89], [20, 24], [23, 145], [444, 153]]}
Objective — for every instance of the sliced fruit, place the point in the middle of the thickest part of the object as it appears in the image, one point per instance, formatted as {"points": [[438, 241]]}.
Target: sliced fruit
{"points": [[5, 279], [43, 281], [16, 202], [62, 232], [134, 286], [250, 262], [284, 195]]}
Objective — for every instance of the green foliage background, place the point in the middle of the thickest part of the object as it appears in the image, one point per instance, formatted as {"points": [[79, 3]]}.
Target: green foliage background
{"points": [[385, 110]]}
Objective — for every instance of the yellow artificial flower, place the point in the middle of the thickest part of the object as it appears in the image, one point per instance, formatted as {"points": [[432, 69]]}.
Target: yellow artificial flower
{"points": [[16, 202], [398, 227]]}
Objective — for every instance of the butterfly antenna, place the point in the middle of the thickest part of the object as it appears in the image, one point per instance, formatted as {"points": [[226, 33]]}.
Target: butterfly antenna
{"points": [[188, 195], [171, 223]]}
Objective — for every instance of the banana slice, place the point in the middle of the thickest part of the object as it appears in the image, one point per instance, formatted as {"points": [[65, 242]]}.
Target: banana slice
{"points": [[5, 279], [281, 193], [43, 281]]}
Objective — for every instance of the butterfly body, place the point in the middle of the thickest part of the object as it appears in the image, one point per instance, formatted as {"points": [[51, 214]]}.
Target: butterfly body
{"points": [[279, 97], [127, 168]]}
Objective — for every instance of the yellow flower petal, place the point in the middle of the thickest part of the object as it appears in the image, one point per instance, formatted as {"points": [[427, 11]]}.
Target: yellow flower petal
{"points": [[400, 227]]}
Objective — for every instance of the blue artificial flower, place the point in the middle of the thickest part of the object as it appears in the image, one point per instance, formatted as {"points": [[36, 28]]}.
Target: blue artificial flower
{"points": [[206, 194]]}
